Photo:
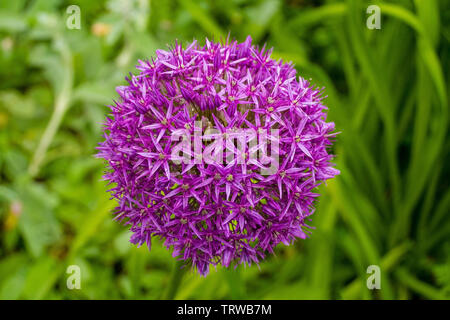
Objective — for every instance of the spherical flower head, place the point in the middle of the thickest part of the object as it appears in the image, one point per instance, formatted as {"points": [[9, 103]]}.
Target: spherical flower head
{"points": [[218, 150]]}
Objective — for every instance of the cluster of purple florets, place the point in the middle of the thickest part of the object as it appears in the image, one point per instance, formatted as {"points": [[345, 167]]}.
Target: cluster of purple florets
{"points": [[216, 213]]}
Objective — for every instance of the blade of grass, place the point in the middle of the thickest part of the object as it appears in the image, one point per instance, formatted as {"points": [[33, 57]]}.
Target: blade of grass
{"points": [[426, 290], [423, 162], [389, 261], [380, 94], [316, 15]]}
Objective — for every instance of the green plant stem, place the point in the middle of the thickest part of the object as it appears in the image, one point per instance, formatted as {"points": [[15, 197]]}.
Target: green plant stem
{"points": [[62, 103], [177, 276]]}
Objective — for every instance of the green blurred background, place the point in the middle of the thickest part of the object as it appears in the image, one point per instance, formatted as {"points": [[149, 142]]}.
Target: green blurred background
{"points": [[387, 92]]}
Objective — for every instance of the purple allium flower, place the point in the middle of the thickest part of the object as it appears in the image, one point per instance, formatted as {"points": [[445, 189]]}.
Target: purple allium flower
{"points": [[231, 210]]}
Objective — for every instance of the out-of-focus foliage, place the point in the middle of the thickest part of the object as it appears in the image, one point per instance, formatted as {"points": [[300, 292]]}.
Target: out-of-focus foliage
{"points": [[387, 92]]}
